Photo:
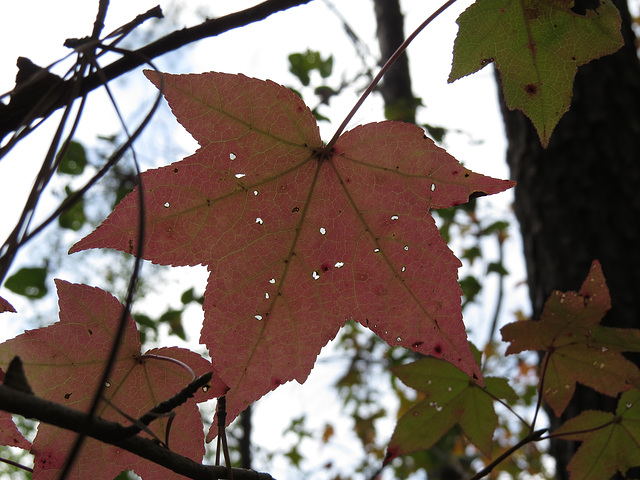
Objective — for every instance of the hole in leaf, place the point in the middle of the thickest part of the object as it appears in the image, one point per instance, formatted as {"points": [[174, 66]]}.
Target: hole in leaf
{"points": [[394, 217], [433, 187], [167, 204], [258, 317], [323, 230], [232, 156], [107, 384], [315, 275], [273, 280], [205, 388], [259, 221], [406, 247], [376, 250], [295, 209], [339, 264], [255, 192], [398, 339], [266, 294], [240, 175], [403, 269]]}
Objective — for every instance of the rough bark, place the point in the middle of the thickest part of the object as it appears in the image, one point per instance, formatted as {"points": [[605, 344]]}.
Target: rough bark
{"points": [[578, 200]]}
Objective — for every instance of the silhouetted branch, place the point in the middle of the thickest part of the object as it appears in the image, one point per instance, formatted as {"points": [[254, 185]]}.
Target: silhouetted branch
{"points": [[31, 406], [11, 118]]}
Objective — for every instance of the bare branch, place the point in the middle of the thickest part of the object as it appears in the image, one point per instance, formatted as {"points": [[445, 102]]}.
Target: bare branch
{"points": [[11, 117], [31, 406]]}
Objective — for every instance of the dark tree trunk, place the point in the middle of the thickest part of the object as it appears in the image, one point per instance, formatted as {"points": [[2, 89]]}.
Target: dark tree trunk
{"points": [[399, 102], [578, 200]]}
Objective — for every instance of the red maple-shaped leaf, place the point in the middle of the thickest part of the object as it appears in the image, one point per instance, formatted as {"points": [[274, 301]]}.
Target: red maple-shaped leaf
{"points": [[298, 239], [64, 361], [6, 306], [578, 348]]}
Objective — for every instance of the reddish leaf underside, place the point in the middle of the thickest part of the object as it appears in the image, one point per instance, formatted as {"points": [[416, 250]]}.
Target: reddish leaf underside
{"points": [[297, 242], [578, 348], [6, 306], [9, 433], [64, 361]]}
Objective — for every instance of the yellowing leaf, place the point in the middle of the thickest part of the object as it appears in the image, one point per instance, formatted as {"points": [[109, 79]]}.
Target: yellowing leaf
{"points": [[64, 362], [578, 348], [449, 399], [610, 443], [298, 240], [537, 45]]}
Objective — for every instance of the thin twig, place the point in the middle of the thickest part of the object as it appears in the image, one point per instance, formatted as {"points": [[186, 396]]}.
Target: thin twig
{"points": [[532, 437], [381, 73], [16, 464], [11, 118], [543, 373]]}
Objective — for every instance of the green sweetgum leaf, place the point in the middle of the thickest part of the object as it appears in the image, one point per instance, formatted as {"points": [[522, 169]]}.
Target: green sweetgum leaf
{"points": [[537, 45], [610, 443], [450, 398], [578, 348]]}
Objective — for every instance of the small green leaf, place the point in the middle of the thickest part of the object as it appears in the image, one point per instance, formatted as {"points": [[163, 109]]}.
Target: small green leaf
{"points": [[450, 398], [74, 217], [174, 319], [74, 159], [29, 282], [498, 268], [470, 287], [537, 46], [610, 443], [302, 64]]}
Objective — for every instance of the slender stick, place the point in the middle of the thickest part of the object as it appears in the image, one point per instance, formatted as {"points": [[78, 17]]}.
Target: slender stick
{"points": [[381, 73]]}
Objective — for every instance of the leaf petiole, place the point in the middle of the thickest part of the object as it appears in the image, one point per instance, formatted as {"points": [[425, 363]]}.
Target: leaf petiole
{"points": [[389, 63]]}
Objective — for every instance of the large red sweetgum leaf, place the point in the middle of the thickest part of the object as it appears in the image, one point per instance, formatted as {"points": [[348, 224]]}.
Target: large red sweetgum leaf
{"points": [[296, 241], [64, 361]]}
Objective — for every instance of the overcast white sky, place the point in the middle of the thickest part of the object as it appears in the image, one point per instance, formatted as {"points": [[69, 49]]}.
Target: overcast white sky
{"points": [[37, 28]]}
